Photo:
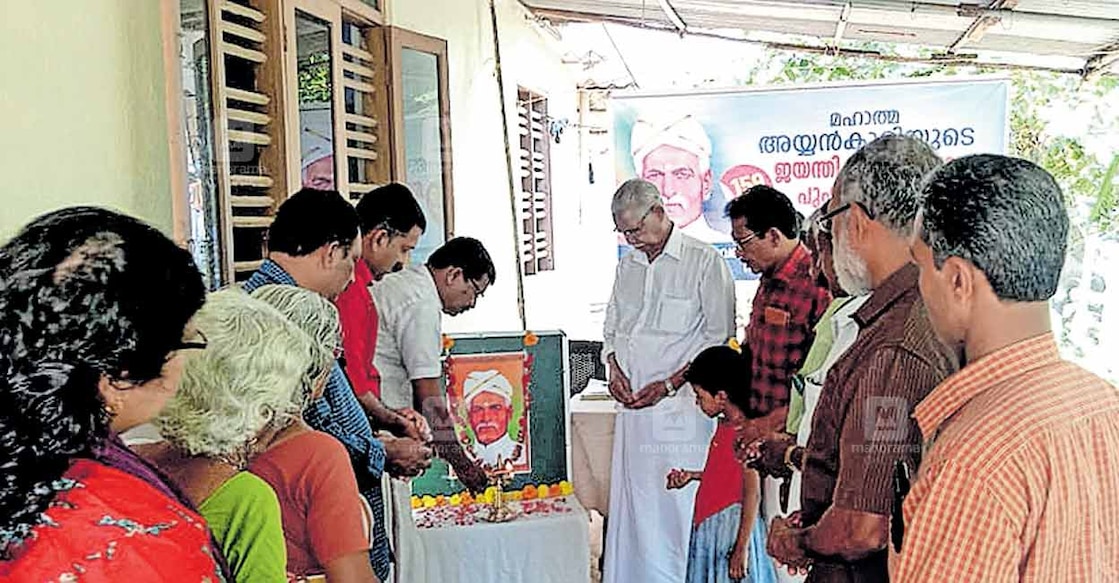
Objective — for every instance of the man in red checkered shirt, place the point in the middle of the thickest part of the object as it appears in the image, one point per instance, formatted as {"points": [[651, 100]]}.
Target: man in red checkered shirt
{"points": [[789, 301]]}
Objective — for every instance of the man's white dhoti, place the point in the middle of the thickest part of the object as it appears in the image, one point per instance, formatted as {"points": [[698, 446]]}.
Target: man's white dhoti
{"points": [[771, 508], [649, 526]]}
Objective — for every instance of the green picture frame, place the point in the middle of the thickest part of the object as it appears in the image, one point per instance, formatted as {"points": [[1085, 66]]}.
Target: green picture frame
{"points": [[548, 414]]}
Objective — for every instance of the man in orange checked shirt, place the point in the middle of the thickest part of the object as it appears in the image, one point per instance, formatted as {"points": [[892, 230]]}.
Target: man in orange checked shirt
{"points": [[1021, 477]]}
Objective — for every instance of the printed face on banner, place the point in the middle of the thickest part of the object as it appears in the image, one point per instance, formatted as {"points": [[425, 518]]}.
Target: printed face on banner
{"points": [[317, 156], [486, 397], [795, 140], [673, 151], [682, 183]]}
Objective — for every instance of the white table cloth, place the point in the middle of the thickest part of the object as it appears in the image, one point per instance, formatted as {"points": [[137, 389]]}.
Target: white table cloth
{"points": [[550, 545], [592, 446]]}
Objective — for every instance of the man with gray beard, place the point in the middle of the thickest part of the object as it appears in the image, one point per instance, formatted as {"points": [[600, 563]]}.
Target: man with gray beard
{"points": [[862, 426]]}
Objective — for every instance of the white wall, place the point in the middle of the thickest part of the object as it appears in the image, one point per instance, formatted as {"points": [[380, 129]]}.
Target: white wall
{"points": [[593, 234], [82, 110], [481, 185], [556, 299]]}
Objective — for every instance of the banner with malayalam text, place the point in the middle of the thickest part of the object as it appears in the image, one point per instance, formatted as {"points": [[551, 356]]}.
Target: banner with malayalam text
{"points": [[703, 149]]}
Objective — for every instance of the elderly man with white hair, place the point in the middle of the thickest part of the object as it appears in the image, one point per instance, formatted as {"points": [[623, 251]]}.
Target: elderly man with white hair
{"points": [[489, 407], [673, 296], [675, 155]]}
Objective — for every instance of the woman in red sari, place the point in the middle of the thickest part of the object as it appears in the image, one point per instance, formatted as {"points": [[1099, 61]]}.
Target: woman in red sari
{"points": [[94, 326]]}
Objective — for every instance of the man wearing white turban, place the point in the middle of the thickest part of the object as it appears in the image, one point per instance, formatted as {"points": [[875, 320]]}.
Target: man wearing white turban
{"points": [[489, 405], [675, 155], [316, 150]]}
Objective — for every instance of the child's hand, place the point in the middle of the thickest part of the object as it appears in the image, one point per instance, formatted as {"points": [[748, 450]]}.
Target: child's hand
{"points": [[679, 478], [738, 558]]}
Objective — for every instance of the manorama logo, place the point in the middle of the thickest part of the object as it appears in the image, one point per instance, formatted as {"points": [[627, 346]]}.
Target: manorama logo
{"points": [[886, 419]]}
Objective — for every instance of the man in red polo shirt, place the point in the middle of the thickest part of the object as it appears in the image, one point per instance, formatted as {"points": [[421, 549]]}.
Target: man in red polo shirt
{"points": [[391, 225]]}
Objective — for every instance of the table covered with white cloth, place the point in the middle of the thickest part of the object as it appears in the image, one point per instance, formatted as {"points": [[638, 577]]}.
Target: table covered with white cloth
{"points": [[547, 543], [592, 445]]}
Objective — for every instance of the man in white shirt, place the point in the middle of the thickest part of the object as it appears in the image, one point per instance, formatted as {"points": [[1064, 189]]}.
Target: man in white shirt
{"points": [[410, 305], [675, 156], [489, 407], [673, 296]]}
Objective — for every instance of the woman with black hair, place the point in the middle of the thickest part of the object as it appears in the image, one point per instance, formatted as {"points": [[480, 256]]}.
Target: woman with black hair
{"points": [[94, 325]]}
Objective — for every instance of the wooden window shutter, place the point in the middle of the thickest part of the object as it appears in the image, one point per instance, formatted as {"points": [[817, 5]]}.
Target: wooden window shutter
{"points": [[246, 82], [535, 204], [365, 86]]}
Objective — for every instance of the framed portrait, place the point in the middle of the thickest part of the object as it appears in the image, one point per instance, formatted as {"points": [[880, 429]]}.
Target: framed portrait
{"points": [[487, 397], [507, 395]]}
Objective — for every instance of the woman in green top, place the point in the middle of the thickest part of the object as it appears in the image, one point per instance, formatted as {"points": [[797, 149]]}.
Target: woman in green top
{"points": [[235, 394]]}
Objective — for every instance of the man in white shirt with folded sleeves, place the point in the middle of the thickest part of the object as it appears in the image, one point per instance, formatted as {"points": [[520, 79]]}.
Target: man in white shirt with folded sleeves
{"points": [[673, 296], [409, 350]]}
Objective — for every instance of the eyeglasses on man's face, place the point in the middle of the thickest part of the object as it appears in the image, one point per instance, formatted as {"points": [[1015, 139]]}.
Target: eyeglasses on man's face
{"points": [[744, 242], [823, 223], [477, 287], [630, 233]]}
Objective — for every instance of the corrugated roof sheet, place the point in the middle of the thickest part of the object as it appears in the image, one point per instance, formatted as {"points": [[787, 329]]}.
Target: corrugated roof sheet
{"points": [[1087, 30]]}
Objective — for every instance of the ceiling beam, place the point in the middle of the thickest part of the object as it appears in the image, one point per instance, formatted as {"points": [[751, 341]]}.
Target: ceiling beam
{"points": [[673, 16], [902, 8], [1098, 63], [978, 27], [841, 24], [962, 60]]}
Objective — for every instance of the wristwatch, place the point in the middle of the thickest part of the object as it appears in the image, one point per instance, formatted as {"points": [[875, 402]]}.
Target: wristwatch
{"points": [[793, 460], [669, 388]]}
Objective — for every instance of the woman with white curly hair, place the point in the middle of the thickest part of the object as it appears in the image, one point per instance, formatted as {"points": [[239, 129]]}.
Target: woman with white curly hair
{"points": [[245, 387], [326, 521]]}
